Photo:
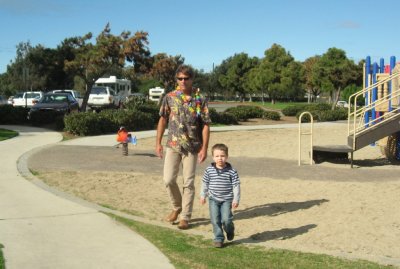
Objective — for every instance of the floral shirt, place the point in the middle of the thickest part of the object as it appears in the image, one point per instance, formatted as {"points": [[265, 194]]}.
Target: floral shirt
{"points": [[186, 117]]}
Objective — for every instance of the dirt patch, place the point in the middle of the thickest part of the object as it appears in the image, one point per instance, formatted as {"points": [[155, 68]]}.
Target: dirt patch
{"points": [[327, 208]]}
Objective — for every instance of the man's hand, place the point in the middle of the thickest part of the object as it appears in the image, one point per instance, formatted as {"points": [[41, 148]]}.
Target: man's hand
{"points": [[202, 156], [202, 200], [162, 123], [235, 205], [159, 151]]}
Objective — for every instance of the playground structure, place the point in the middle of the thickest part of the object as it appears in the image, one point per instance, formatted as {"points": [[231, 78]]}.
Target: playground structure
{"points": [[378, 120]]}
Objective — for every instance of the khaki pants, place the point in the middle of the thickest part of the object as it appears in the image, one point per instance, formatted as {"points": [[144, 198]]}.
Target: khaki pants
{"points": [[172, 163]]}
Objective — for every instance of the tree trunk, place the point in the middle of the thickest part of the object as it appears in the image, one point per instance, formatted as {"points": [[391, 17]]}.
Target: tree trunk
{"points": [[89, 86], [262, 97], [336, 99]]}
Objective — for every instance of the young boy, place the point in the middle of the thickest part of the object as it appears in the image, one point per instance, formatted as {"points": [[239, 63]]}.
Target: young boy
{"points": [[222, 186]]}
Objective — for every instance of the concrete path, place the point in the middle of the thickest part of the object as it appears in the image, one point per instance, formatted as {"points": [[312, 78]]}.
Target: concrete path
{"points": [[41, 230], [109, 140]]}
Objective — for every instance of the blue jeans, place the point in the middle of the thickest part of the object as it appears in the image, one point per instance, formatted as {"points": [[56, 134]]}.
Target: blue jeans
{"points": [[221, 218]]}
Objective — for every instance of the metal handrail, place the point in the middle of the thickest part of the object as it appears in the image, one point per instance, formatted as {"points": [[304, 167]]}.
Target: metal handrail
{"points": [[308, 133], [357, 115]]}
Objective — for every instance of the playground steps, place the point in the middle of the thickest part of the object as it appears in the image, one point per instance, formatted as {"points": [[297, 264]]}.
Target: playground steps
{"points": [[331, 152], [374, 133], [368, 136]]}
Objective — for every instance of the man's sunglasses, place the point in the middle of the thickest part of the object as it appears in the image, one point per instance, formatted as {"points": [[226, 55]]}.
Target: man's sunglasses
{"points": [[183, 78]]}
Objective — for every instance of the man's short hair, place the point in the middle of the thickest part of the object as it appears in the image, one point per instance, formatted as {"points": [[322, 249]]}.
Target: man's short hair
{"points": [[185, 69], [221, 147]]}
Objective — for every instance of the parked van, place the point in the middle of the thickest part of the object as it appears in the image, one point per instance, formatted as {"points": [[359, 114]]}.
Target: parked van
{"points": [[156, 93], [103, 97]]}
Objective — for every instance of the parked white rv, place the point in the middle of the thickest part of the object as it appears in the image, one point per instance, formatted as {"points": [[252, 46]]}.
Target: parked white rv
{"points": [[121, 86], [156, 93]]}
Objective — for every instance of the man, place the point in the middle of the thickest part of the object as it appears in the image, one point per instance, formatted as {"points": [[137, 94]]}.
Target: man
{"points": [[186, 112]]}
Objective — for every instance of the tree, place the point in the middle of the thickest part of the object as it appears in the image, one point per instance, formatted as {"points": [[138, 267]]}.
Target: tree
{"points": [[293, 78], [18, 71], [334, 72], [313, 89], [203, 81], [234, 79], [164, 68], [277, 73], [257, 81], [108, 54]]}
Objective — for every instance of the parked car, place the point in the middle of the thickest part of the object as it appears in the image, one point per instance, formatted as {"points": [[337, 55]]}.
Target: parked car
{"points": [[3, 100], [74, 93], [342, 104], [103, 97], [57, 103], [10, 100], [27, 99]]}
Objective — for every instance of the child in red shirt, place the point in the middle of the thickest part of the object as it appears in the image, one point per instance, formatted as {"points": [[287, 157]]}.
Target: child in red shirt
{"points": [[122, 138]]}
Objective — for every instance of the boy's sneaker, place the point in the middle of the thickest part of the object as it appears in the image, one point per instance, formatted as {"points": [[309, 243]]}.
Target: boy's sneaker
{"points": [[218, 244], [230, 236]]}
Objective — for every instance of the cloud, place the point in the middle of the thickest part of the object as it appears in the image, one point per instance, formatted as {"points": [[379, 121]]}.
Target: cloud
{"points": [[349, 25]]}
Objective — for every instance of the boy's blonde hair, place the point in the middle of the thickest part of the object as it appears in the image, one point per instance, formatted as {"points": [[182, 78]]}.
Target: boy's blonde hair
{"points": [[221, 147]]}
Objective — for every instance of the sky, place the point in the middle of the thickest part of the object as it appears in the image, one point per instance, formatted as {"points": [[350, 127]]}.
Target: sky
{"points": [[206, 32]]}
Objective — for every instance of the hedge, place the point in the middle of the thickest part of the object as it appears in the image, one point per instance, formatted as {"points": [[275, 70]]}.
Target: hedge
{"points": [[107, 121], [325, 115], [222, 117], [13, 115], [243, 113], [293, 110]]}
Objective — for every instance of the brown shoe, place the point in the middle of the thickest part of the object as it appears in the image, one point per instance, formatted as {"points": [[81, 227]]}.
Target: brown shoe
{"points": [[173, 216], [218, 244], [183, 224]]}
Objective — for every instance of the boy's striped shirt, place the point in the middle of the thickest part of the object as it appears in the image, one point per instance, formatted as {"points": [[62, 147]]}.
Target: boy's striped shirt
{"points": [[221, 184]]}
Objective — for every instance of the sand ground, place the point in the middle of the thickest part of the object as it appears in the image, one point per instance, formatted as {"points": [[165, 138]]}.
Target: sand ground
{"points": [[326, 208]]}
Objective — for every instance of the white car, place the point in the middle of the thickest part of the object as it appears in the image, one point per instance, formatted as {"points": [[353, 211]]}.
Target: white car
{"points": [[342, 104], [103, 97], [10, 100], [74, 94], [27, 99]]}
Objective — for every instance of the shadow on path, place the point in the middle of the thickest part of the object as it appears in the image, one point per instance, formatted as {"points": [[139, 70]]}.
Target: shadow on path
{"points": [[282, 234], [274, 209]]}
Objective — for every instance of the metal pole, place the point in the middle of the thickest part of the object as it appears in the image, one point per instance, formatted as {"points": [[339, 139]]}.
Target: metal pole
{"points": [[367, 73]]}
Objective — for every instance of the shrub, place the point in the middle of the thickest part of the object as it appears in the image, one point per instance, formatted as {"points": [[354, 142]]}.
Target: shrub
{"points": [[13, 115], [325, 115], [222, 117], [333, 115], [318, 106], [83, 123], [271, 115], [243, 113], [41, 118], [150, 108], [107, 121], [306, 117], [134, 102], [293, 110]]}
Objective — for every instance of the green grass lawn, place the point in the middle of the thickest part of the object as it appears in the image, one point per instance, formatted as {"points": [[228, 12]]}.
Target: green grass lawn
{"points": [[6, 134], [278, 105], [191, 251], [2, 262]]}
